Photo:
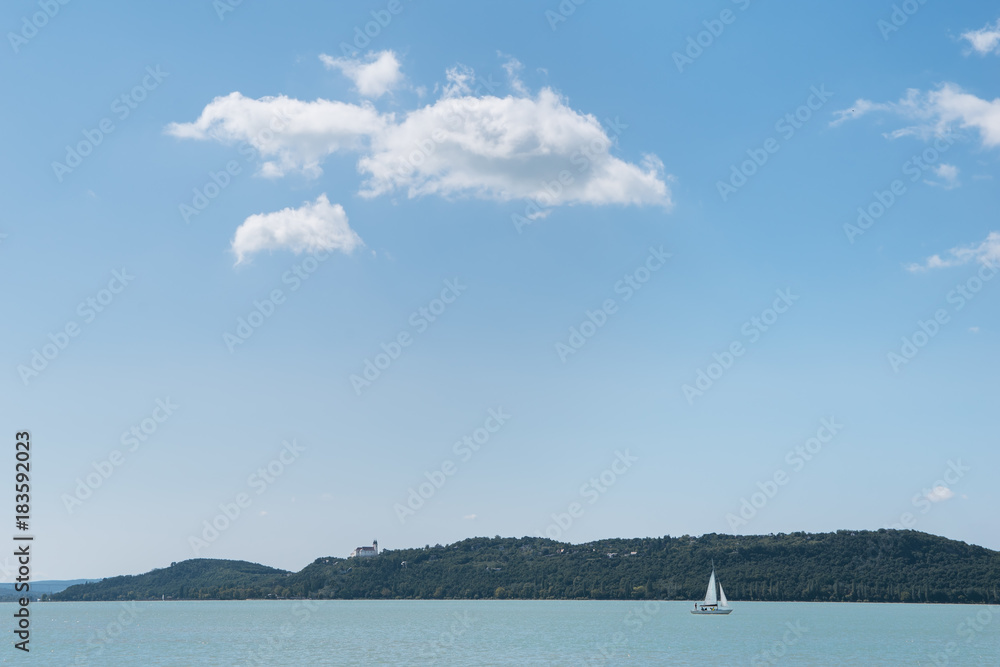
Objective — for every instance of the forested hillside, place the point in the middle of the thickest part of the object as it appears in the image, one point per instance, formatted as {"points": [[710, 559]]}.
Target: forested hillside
{"points": [[199, 578], [875, 566]]}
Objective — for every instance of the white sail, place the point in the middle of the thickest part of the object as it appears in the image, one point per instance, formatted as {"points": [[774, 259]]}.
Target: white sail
{"points": [[710, 597], [722, 594]]}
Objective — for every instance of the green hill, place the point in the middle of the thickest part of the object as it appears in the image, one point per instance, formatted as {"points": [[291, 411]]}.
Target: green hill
{"points": [[199, 579], [874, 566]]}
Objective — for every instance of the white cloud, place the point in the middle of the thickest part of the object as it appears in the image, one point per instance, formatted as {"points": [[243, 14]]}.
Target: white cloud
{"points": [[948, 175], [974, 330], [507, 148], [985, 40], [374, 76], [460, 79], [470, 517], [516, 147], [513, 68], [860, 108], [291, 135], [315, 226], [987, 252], [939, 494], [938, 113]]}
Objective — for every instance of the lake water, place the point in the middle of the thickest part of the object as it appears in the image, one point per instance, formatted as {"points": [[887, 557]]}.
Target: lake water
{"points": [[505, 633]]}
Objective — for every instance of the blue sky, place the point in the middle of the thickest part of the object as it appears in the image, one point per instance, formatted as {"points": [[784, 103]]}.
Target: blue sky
{"points": [[516, 176]]}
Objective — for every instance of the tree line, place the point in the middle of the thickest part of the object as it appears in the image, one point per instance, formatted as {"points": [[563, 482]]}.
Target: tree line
{"points": [[845, 566]]}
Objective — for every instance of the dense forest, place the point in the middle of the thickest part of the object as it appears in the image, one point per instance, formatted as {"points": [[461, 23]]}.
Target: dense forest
{"points": [[866, 566]]}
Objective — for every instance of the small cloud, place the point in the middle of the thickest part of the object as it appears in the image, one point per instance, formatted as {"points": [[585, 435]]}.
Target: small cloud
{"points": [[512, 67], [948, 173], [986, 253], [974, 330], [374, 76], [470, 517], [460, 79], [985, 40], [263, 513], [313, 227], [939, 494], [857, 110]]}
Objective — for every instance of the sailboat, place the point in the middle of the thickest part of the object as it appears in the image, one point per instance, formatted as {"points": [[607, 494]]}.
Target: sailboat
{"points": [[712, 603]]}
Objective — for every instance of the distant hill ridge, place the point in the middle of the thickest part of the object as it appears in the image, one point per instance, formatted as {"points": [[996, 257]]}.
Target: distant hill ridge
{"points": [[9, 592], [872, 566]]}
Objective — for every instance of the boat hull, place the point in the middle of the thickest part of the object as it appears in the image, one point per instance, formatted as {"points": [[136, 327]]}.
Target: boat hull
{"points": [[714, 612]]}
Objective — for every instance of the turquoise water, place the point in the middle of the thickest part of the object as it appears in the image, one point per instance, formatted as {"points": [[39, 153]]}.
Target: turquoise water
{"points": [[507, 633]]}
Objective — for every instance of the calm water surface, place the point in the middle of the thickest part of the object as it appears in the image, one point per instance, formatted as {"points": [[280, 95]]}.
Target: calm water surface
{"points": [[507, 633]]}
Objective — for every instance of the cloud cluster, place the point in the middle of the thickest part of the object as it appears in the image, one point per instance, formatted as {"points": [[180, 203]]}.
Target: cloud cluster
{"points": [[986, 252], [985, 40], [522, 146], [938, 113], [313, 227], [491, 147]]}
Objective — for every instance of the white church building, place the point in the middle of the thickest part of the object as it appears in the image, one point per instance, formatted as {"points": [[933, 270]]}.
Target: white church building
{"points": [[361, 552]]}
